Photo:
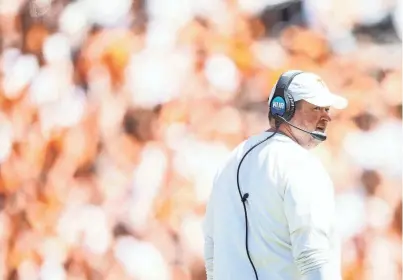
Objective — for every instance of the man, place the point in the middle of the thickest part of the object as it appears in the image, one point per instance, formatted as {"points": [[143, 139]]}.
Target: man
{"points": [[270, 214]]}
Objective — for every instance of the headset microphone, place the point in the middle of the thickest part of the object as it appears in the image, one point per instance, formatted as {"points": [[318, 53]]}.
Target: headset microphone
{"points": [[315, 134]]}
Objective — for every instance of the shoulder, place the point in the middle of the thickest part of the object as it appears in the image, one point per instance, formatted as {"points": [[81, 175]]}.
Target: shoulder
{"points": [[294, 158], [305, 169], [301, 160]]}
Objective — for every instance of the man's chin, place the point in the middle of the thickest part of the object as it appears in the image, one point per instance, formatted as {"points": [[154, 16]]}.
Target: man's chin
{"points": [[313, 143]]}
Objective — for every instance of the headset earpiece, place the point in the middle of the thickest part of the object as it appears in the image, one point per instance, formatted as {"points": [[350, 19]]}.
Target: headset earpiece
{"points": [[282, 103], [289, 113]]}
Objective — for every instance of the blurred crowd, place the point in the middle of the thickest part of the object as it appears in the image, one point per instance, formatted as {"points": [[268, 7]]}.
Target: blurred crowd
{"points": [[116, 114]]}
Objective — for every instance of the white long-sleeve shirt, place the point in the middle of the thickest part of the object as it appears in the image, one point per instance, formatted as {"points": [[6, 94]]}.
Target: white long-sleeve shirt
{"points": [[290, 214]]}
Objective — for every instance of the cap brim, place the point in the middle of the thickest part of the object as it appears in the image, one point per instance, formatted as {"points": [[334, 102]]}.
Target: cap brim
{"points": [[328, 100]]}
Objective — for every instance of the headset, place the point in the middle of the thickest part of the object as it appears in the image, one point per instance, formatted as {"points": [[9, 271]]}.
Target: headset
{"points": [[282, 105], [282, 109]]}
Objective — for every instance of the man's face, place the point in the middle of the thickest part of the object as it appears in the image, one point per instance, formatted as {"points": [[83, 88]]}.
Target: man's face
{"points": [[312, 118]]}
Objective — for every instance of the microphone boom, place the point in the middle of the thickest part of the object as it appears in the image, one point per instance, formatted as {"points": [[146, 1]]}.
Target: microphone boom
{"points": [[315, 134]]}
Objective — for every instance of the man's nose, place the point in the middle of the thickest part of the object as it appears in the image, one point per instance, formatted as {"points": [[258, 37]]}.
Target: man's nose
{"points": [[326, 116]]}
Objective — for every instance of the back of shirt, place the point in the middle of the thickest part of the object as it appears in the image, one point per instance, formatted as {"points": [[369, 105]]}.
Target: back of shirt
{"points": [[289, 210]]}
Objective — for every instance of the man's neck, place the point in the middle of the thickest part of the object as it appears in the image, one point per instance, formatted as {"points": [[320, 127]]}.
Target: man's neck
{"points": [[285, 130]]}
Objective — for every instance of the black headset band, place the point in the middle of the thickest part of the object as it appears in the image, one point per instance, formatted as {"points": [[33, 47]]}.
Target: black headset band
{"points": [[284, 82]]}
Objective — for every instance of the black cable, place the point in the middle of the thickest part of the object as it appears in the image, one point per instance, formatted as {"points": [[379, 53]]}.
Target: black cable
{"points": [[244, 199]]}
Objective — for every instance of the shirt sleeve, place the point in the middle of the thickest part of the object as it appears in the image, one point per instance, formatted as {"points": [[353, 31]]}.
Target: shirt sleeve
{"points": [[208, 228], [325, 271], [309, 208]]}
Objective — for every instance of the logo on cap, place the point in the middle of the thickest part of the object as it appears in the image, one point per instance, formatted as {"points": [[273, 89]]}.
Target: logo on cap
{"points": [[278, 106]]}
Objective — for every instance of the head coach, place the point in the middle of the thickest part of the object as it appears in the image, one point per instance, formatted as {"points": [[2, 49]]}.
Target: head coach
{"points": [[270, 213]]}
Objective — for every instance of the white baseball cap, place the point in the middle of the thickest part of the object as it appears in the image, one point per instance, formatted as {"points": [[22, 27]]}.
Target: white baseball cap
{"points": [[311, 88]]}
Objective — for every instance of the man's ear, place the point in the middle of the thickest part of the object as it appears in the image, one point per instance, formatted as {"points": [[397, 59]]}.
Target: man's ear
{"points": [[298, 104]]}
